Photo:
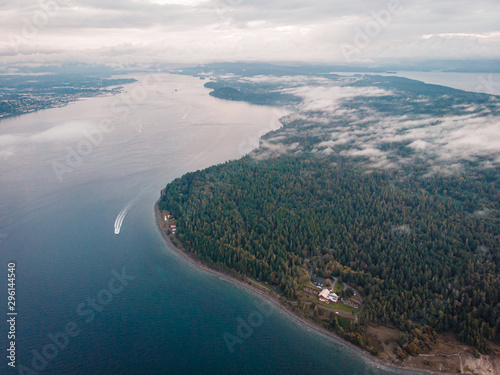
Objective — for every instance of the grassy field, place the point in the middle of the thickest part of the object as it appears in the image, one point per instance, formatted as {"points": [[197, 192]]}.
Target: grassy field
{"points": [[341, 307], [338, 287]]}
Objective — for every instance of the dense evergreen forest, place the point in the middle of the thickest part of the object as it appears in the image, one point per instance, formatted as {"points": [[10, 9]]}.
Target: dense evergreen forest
{"points": [[373, 179], [424, 252]]}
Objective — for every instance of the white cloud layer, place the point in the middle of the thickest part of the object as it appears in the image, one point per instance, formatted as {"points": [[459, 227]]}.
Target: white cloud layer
{"points": [[443, 143], [145, 32], [10, 144]]}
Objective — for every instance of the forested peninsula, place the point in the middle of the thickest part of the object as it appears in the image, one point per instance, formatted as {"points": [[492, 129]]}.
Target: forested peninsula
{"points": [[418, 244]]}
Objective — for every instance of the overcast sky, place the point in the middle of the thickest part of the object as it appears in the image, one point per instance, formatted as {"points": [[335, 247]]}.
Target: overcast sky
{"points": [[142, 32]]}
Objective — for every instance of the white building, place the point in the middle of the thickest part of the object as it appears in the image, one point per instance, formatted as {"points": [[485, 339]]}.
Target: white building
{"points": [[326, 296]]}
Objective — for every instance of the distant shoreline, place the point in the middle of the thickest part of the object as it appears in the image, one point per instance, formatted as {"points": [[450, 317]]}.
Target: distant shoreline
{"points": [[274, 299]]}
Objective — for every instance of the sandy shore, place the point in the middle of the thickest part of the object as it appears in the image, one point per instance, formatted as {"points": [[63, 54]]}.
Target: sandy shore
{"points": [[274, 299]]}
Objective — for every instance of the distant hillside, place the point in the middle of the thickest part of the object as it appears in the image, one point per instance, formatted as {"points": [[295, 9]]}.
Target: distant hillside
{"points": [[265, 98]]}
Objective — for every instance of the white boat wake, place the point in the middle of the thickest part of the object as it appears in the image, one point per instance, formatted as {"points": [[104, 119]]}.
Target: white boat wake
{"points": [[139, 197], [185, 114], [121, 217]]}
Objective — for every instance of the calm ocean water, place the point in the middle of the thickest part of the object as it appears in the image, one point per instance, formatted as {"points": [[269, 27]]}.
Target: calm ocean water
{"points": [[126, 303]]}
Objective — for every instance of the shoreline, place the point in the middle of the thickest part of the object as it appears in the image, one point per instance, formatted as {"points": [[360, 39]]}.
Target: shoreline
{"points": [[274, 299]]}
